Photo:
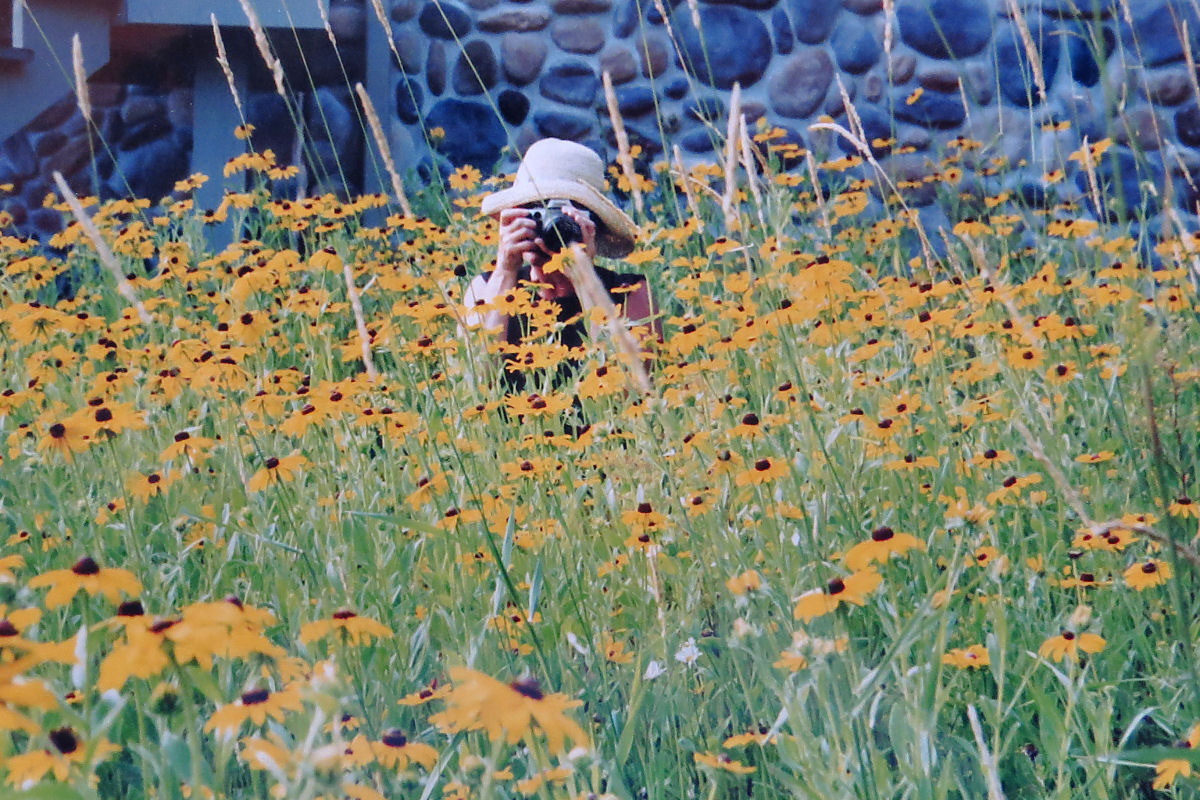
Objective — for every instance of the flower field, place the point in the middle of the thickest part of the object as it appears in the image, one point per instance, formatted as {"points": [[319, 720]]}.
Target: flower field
{"points": [[908, 513]]}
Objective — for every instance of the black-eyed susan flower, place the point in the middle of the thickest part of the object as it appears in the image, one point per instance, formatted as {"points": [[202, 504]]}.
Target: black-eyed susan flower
{"points": [[1068, 644], [276, 470], [971, 657], [762, 471], [88, 576], [508, 711], [1152, 572], [395, 751], [852, 589], [748, 581], [883, 544], [723, 762], [1184, 506], [255, 706], [348, 625], [1168, 770], [66, 751], [66, 437]]}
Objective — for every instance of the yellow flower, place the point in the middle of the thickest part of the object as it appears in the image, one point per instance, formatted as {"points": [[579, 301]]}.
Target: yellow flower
{"points": [[1068, 643], [1167, 770], [972, 657], [255, 705], [68, 750], [354, 628], [722, 761], [276, 470], [87, 575], [748, 581], [883, 544], [465, 178], [1153, 572], [763, 470], [511, 711], [852, 589]]}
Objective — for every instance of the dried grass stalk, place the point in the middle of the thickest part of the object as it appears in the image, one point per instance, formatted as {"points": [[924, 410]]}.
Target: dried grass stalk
{"points": [[729, 199], [385, 152], [102, 249], [364, 336], [264, 47], [81, 86], [592, 294], [624, 157], [1031, 51], [223, 61], [682, 176], [751, 173], [811, 163]]}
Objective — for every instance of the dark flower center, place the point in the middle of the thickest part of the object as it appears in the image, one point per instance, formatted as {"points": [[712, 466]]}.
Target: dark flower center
{"points": [[1068, 636], [182, 436], [394, 738], [131, 608], [882, 534], [1010, 481], [763, 464], [344, 614], [64, 740], [272, 462], [1149, 568], [644, 508], [750, 419], [163, 625], [104, 415], [837, 586], [528, 687], [1087, 577], [990, 453], [58, 430], [255, 696], [86, 566], [7, 628]]}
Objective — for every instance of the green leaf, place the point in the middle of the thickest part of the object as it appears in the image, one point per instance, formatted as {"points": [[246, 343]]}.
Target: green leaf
{"points": [[49, 791], [535, 588]]}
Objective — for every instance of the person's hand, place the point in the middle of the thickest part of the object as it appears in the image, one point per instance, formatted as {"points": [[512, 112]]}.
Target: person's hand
{"points": [[517, 237], [586, 226]]}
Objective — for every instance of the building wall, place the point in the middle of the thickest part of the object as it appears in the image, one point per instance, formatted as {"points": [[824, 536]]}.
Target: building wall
{"points": [[495, 75]]}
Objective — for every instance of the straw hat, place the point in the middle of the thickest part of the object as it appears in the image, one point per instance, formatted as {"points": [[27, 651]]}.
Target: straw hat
{"points": [[555, 169]]}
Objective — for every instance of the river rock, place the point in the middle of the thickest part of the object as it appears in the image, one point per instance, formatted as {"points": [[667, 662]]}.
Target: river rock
{"points": [[864, 7], [408, 100], [678, 88], [653, 56], [1169, 88], [348, 23], [855, 46], [435, 68], [1013, 67], [1156, 30], [444, 20], [1125, 190], [626, 19], [633, 101], [513, 105], [578, 35], [781, 27], [618, 62], [797, 88], [522, 56], [475, 70], [1187, 125], [17, 152], [813, 19], [411, 47], [573, 83], [474, 134], [944, 28], [517, 19], [580, 6], [734, 48], [1141, 127], [931, 109], [403, 10], [562, 125]]}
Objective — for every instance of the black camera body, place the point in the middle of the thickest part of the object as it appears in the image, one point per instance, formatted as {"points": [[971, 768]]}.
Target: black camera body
{"points": [[554, 227]]}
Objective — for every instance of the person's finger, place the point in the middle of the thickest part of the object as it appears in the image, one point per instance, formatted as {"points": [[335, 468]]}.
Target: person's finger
{"points": [[509, 214]]}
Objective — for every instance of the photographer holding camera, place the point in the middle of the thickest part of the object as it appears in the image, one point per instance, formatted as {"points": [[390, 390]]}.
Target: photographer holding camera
{"points": [[557, 201]]}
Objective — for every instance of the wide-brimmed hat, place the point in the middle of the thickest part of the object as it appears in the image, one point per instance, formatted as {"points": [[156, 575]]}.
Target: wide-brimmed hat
{"points": [[556, 169]]}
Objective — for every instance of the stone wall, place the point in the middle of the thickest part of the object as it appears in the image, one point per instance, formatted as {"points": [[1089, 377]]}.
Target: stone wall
{"points": [[495, 75]]}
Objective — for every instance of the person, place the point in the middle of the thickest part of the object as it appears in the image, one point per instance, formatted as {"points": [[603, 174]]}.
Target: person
{"points": [[555, 170]]}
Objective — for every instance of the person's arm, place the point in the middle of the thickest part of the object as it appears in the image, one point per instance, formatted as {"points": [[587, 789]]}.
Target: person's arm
{"points": [[516, 239]]}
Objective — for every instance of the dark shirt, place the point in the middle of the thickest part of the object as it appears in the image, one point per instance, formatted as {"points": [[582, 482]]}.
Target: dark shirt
{"points": [[572, 334]]}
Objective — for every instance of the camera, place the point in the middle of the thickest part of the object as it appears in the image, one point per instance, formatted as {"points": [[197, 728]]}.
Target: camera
{"points": [[554, 227]]}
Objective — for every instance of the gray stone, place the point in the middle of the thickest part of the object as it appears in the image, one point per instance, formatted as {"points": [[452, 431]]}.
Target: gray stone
{"points": [[140, 107], [855, 47], [710, 108], [562, 125], [835, 106], [329, 118], [348, 23], [411, 48], [1069, 9], [1082, 50], [633, 101], [797, 88], [151, 171], [573, 83], [734, 47], [1141, 127], [781, 27], [813, 19], [1120, 174], [1187, 125], [521, 19], [863, 6], [578, 35], [16, 208], [49, 143], [444, 20], [145, 131], [408, 100], [46, 221], [944, 28], [403, 10], [699, 141], [1169, 88], [71, 156], [618, 62], [654, 56], [435, 68], [482, 5], [940, 79], [106, 95], [475, 70], [873, 87], [1157, 28], [678, 88], [625, 21], [753, 5], [474, 134], [513, 105], [932, 109], [912, 168], [904, 66], [273, 126], [20, 156], [580, 6], [522, 56]]}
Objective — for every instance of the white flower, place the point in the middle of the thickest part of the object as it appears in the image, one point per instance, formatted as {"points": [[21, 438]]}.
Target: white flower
{"points": [[688, 653], [653, 670]]}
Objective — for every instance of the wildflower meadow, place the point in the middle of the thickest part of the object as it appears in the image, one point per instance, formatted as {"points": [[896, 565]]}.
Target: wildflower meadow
{"points": [[905, 512]]}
